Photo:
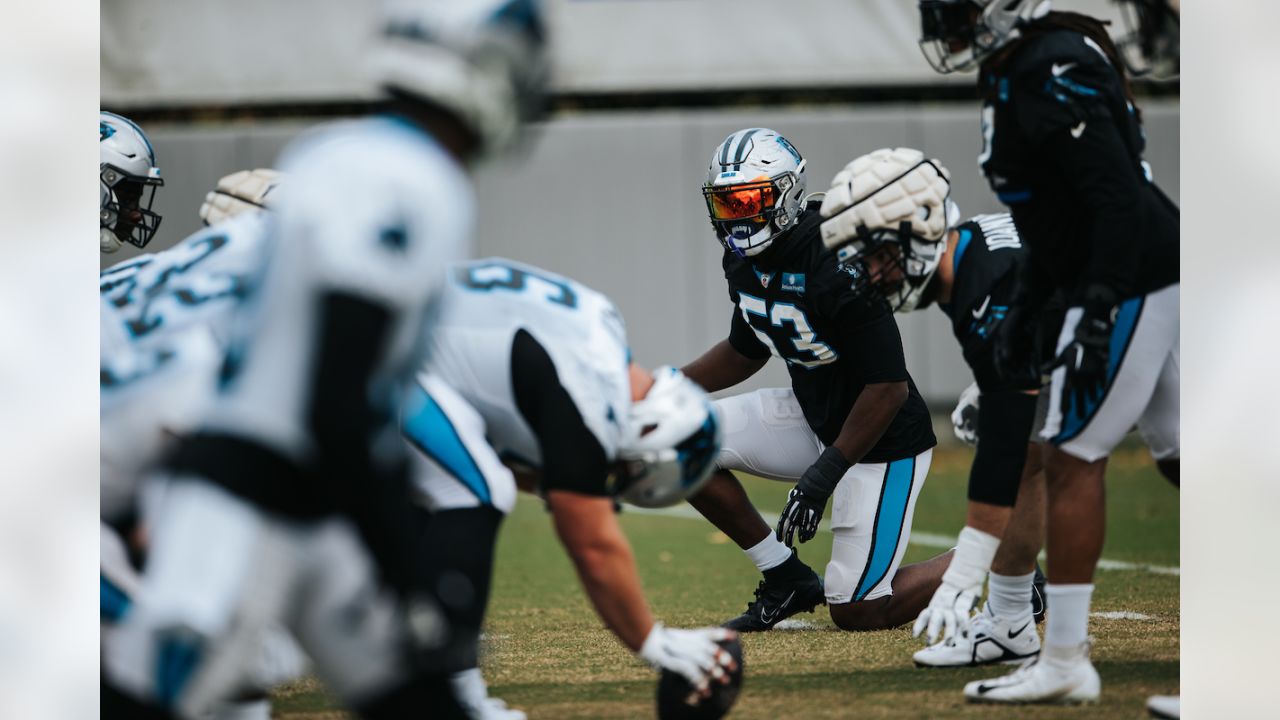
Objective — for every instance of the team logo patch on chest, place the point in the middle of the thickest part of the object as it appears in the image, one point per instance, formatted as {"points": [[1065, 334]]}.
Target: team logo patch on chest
{"points": [[765, 278], [793, 282]]}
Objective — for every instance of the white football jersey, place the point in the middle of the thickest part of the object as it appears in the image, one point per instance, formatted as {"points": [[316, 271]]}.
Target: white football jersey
{"points": [[199, 281], [486, 303], [375, 212], [165, 321]]}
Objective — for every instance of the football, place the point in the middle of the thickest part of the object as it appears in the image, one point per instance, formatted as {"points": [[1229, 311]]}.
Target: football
{"points": [[674, 691]]}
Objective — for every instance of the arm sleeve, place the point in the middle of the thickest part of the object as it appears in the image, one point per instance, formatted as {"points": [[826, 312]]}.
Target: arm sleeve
{"points": [[1004, 429], [743, 338], [572, 457], [1064, 112], [875, 348]]}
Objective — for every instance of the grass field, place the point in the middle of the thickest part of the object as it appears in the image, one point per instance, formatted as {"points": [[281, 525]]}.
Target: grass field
{"points": [[547, 653]]}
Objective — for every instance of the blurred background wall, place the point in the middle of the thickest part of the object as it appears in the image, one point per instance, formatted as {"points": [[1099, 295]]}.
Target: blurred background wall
{"points": [[608, 192]]}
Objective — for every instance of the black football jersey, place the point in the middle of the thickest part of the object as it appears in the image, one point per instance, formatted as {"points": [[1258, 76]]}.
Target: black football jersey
{"points": [[795, 301], [985, 265], [1062, 148]]}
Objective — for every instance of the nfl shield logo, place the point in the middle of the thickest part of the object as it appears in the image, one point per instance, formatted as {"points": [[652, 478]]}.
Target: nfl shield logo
{"points": [[765, 278]]}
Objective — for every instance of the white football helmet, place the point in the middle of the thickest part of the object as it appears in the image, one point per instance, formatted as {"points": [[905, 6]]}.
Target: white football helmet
{"points": [[243, 191], [956, 35], [887, 216], [126, 171], [754, 189], [670, 442], [483, 61]]}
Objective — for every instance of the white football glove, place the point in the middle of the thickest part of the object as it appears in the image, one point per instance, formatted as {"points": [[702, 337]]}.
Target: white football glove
{"points": [[243, 191], [954, 600], [964, 419], [693, 654]]}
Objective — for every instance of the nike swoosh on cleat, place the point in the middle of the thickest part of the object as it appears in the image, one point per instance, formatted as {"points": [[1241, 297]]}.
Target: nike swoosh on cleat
{"points": [[767, 618], [1013, 634], [984, 689]]}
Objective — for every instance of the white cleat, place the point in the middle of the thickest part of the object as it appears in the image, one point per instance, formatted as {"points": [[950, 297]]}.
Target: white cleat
{"points": [[1060, 676], [1165, 707], [986, 640]]}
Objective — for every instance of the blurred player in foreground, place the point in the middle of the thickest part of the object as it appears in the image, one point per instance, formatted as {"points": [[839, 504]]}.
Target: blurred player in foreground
{"points": [[165, 318], [889, 215], [1063, 147], [852, 428], [531, 371], [291, 503]]}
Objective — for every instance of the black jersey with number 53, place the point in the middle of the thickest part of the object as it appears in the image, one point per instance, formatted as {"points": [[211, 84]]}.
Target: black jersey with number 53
{"points": [[795, 301]]}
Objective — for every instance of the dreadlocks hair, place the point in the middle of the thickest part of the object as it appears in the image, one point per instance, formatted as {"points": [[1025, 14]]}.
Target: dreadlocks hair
{"points": [[1090, 27]]}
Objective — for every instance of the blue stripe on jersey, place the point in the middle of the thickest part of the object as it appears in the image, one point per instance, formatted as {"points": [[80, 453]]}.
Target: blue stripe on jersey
{"points": [[1074, 420], [890, 518], [430, 430], [961, 245], [113, 602]]}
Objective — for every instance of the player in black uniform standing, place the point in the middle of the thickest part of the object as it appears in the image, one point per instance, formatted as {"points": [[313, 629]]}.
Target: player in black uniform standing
{"points": [[889, 216], [852, 428], [1063, 149]]}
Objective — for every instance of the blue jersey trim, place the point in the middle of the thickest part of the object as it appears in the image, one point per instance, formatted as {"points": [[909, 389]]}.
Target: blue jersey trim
{"points": [[429, 429], [961, 245], [891, 516], [1074, 419]]}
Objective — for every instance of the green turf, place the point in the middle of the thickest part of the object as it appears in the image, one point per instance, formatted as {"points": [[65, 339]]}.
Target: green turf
{"points": [[547, 653]]}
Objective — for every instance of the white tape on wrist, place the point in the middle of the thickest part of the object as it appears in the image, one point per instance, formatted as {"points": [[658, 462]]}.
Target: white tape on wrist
{"points": [[975, 552]]}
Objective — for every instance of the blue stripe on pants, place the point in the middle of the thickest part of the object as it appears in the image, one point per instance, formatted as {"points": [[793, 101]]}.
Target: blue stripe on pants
{"points": [[890, 517], [1075, 419], [429, 429]]}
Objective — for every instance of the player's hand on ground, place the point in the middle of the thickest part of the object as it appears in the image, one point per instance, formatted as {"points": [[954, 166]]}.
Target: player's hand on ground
{"points": [[693, 654], [801, 516], [947, 613], [964, 419]]}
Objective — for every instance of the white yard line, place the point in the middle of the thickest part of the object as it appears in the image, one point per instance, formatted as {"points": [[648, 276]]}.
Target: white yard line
{"points": [[1120, 615], [923, 539]]}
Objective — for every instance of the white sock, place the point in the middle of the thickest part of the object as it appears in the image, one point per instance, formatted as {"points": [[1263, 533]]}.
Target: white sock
{"points": [[1068, 621], [469, 689], [768, 553], [1010, 595]]}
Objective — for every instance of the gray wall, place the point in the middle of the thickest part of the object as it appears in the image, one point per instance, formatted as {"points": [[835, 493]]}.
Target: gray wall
{"points": [[612, 199]]}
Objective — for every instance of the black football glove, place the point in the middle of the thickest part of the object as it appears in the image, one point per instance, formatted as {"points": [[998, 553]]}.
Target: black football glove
{"points": [[1086, 356], [808, 498]]}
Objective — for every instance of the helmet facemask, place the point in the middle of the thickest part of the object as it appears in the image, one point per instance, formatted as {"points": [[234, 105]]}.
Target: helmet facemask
{"points": [[957, 35], [1150, 49], [896, 264], [747, 216], [126, 201]]}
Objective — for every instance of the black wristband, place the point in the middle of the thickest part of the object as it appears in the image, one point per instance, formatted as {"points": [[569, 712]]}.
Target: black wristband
{"points": [[821, 478]]}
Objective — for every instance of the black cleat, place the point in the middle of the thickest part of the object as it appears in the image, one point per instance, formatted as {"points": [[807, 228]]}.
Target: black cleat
{"points": [[1039, 602], [779, 598]]}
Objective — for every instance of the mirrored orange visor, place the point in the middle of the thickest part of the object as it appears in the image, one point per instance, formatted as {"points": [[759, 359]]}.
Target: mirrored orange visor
{"points": [[741, 202]]}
